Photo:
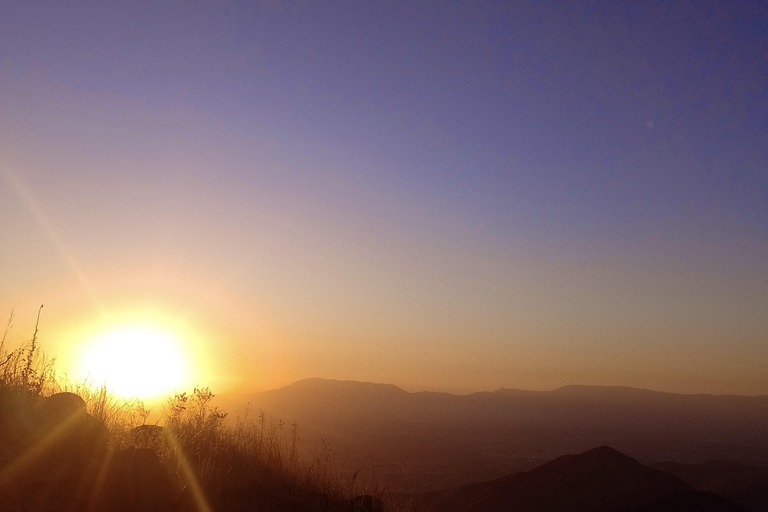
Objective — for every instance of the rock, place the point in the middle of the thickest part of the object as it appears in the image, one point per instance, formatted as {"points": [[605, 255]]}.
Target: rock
{"points": [[147, 436], [69, 433], [63, 458], [62, 406]]}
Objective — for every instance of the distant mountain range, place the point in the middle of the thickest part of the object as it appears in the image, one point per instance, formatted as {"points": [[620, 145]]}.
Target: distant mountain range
{"points": [[433, 441], [738, 418]]}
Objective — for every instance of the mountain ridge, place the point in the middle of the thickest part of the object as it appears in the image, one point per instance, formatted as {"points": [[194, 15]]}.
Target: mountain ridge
{"points": [[568, 388]]}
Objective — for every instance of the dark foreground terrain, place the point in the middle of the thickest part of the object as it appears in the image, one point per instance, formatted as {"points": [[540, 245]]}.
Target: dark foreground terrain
{"points": [[61, 454], [56, 456]]}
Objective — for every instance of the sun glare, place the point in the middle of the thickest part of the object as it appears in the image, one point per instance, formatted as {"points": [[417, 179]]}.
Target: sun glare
{"points": [[137, 361]]}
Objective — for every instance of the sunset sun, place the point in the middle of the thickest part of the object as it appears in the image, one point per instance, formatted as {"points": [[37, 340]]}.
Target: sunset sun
{"points": [[137, 361]]}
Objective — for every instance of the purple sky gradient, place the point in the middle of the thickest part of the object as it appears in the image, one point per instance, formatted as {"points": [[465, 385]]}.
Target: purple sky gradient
{"points": [[453, 195]]}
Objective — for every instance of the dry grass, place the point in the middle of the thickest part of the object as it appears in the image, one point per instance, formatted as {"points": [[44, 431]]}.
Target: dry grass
{"points": [[222, 460]]}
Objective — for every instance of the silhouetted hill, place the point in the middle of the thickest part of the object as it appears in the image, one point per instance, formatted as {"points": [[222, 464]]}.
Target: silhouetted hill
{"points": [[742, 483], [601, 479], [331, 401], [440, 440]]}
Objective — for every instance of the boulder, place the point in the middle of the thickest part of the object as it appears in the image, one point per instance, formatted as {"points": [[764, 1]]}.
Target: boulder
{"points": [[63, 457], [68, 432], [64, 406], [147, 436]]}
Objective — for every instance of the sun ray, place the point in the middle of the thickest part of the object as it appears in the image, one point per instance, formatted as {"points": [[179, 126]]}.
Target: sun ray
{"points": [[50, 231], [188, 474]]}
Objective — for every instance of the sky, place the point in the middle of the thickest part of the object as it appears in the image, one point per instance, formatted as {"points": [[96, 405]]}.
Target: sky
{"points": [[453, 196]]}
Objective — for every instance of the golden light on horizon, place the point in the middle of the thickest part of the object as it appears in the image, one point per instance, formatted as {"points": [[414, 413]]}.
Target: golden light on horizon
{"points": [[137, 361]]}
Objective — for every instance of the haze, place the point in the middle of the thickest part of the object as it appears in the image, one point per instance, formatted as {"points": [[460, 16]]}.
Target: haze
{"points": [[445, 196]]}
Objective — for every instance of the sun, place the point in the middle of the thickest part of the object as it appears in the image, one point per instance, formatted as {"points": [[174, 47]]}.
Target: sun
{"points": [[137, 361]]}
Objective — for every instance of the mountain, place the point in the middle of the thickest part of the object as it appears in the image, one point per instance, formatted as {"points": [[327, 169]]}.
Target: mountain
{"points": [[432, 441], [740, 418], [742, 483], [598, 480], [324, 399]]}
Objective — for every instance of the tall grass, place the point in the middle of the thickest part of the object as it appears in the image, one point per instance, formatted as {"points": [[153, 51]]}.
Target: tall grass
{"points": [[25, 370]]}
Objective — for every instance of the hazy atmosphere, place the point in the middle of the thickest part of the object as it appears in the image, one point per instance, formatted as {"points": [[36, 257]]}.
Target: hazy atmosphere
{"points": [[449, 196]]}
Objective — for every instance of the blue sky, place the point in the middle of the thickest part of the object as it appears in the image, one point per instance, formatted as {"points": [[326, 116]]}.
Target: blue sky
{"points": [[539, 170]]}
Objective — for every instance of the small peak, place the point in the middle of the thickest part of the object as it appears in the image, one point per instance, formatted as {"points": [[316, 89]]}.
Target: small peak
{"points": [[601, 453], [502, 391], [600, 457], [604, 451]]}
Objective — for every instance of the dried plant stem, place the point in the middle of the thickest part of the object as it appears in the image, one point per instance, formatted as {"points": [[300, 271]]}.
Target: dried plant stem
{"points": [[32, 348]]}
